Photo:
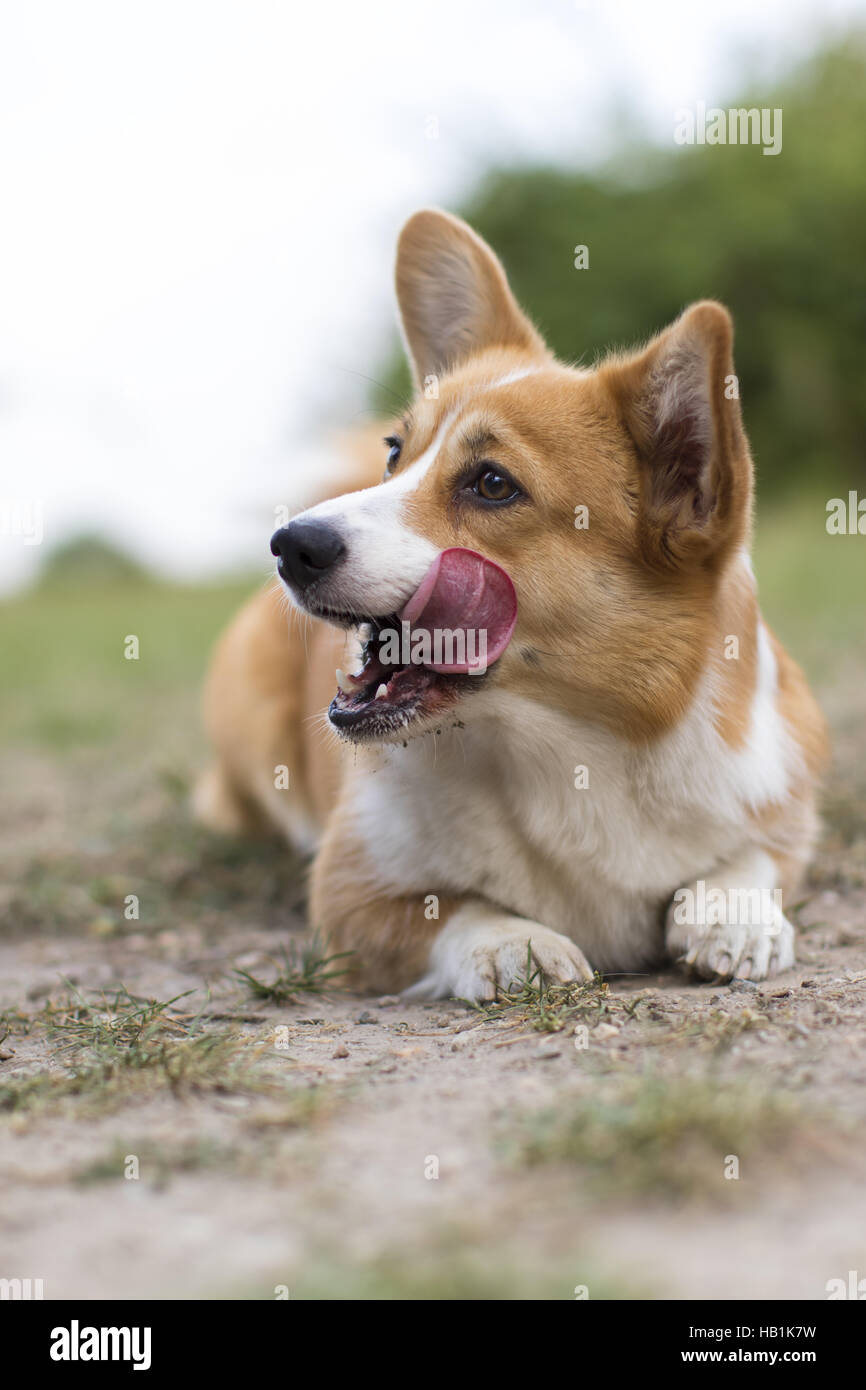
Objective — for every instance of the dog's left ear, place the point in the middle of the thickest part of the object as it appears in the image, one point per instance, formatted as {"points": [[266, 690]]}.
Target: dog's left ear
{"points": [[453, 295], [679, 400]]}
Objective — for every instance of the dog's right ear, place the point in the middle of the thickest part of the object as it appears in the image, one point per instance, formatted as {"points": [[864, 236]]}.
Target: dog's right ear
{"points": [[453, 295]]}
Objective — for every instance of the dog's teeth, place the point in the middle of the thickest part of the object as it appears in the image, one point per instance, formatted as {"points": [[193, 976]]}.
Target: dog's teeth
{"points": [[382, 691], [346, 683]]}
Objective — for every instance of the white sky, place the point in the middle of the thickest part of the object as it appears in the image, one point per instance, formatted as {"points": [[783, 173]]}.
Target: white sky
{"points": [[198, 205]]}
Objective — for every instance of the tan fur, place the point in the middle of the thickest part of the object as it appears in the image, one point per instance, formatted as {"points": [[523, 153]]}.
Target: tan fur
{"points": [[347, 902]]}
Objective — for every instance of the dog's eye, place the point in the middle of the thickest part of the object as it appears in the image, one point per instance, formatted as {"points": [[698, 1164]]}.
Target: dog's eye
{"points": [[493, 486], [395, 446]]}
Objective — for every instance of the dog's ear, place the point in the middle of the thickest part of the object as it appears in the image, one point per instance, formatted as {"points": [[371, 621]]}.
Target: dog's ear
{"points": [[453, 295], [679, 400]]}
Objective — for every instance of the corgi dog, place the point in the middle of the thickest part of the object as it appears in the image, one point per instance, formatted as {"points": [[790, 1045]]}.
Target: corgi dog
{"points": [[566, 737]]}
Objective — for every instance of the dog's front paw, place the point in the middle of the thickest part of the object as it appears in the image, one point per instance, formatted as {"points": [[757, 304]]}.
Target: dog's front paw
{"points": [[722, 951], [479, 956]]}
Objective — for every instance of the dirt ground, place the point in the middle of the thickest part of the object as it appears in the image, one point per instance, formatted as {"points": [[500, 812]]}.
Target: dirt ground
{"points": [[241, 1191], [189, 1107]]}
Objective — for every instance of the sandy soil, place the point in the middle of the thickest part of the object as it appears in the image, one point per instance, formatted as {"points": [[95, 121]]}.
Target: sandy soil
{"points": [[237, 1195]]}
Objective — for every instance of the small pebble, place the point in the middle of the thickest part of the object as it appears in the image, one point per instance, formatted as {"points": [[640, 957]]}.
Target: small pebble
{"points": [[341, 1050]]}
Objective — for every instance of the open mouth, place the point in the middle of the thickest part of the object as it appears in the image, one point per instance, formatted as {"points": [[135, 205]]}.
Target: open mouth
{"points": [[384, 697], [418, 663]]}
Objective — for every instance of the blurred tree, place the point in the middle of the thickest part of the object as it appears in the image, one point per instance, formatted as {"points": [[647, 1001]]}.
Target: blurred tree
{"points": [[85, 561], [780, 239]]}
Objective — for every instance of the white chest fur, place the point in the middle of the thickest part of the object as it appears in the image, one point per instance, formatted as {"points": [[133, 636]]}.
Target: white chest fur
{"points": [[567, 824]]}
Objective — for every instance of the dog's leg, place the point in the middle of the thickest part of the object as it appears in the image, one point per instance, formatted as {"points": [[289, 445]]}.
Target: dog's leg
{"points": [[482, 951], [219, 804], [731, 924], [456, 945]]}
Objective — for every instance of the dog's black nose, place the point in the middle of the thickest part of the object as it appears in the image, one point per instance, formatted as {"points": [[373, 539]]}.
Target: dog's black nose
{"points": [[306, 550]]}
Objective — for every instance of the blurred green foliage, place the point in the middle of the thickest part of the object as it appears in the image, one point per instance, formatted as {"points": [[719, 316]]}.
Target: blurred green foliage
{"points": [[65, 682], [88, 560], [780, 239]]}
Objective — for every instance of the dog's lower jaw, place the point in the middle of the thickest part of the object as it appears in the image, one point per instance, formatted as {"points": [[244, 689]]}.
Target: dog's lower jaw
{"points": [[483, 952], [400, 732]]}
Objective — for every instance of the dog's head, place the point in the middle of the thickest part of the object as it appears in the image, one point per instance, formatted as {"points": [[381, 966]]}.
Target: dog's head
{"points": [[597, 507]]}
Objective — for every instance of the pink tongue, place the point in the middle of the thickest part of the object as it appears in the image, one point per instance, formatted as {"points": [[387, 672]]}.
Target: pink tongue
{"points": [[464, 593]]}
